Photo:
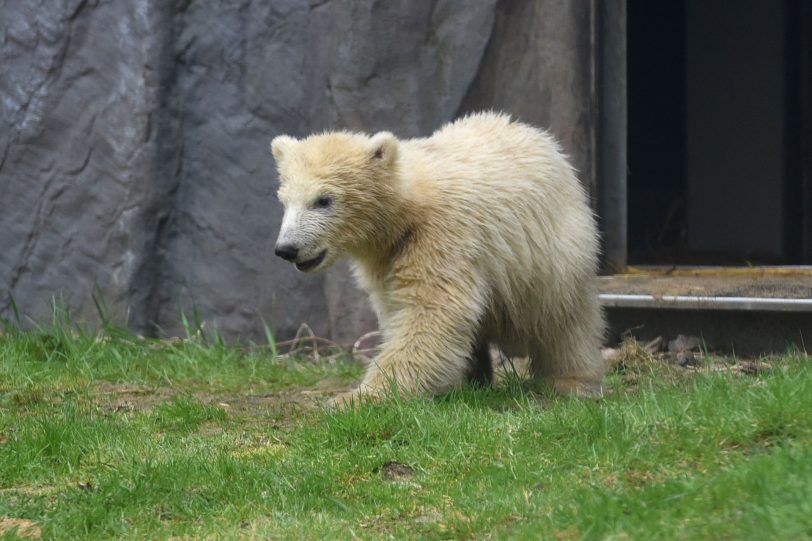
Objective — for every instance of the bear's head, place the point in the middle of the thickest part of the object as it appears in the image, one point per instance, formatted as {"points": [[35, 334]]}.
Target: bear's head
{"points": [[337, 190]]}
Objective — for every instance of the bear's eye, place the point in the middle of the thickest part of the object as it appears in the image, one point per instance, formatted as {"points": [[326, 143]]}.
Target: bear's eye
{"points": [[323, 202]]}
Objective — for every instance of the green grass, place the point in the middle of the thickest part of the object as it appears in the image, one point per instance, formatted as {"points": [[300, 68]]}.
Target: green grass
{"points": [[118, 437]]}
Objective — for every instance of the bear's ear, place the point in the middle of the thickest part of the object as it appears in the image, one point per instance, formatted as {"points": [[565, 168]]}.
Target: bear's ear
{"points": [[280, 145], [383, 147]]}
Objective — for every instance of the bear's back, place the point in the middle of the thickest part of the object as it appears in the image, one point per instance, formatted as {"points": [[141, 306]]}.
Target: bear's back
{"points": [[489, 158], [502, 189]]}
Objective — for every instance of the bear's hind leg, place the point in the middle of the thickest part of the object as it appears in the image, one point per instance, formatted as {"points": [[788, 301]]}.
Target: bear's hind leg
{"points": [[569, 359]]}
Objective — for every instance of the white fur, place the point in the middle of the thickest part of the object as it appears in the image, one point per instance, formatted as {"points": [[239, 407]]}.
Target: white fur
{"points": [[479, 233]]}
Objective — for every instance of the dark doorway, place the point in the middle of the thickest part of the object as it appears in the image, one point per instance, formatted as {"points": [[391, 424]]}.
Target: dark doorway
{"points": [[718, 105]]}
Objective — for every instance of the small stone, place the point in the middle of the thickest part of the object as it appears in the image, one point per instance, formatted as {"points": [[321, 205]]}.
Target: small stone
{"points": [[684, 343]]}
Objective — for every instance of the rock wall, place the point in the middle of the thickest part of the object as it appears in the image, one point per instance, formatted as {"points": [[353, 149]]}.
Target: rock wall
{"points": [[134, 137]]}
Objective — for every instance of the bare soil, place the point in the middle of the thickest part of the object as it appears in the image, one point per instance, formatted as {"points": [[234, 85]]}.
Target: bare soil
{"points": [[24, 529]]}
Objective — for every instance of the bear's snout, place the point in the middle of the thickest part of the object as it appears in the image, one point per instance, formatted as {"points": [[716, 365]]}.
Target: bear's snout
{"points": [[288, 252]]}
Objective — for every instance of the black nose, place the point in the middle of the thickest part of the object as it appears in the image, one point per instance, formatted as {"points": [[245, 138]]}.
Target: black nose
{"points": [[288, 252]]}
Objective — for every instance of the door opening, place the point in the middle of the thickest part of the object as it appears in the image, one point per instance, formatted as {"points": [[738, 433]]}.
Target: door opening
{"points": [[717, 112]]}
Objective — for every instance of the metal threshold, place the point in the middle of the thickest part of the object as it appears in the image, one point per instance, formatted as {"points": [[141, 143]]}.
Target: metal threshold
{"points": [[688, 302], [768, 289]]}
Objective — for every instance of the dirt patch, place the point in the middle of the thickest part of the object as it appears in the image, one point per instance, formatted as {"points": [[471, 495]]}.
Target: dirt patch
{"points": [[128, 398], [25, 529], [248, 402], [396, 472], [279, 409]]}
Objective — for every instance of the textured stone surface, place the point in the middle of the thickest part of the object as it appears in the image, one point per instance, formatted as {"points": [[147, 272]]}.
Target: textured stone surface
{"points": [[134, 145], [134, 138], [538, 66], [78, 163]]}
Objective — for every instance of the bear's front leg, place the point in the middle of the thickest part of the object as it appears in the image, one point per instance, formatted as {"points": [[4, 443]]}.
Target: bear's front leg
{"points": [[430, 340]]}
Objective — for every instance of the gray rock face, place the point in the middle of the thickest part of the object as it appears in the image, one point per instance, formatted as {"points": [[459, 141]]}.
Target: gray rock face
{"points": [[78, 163], [134, 140]]}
